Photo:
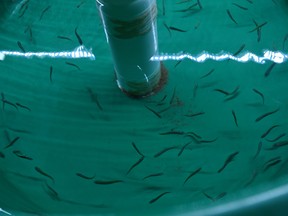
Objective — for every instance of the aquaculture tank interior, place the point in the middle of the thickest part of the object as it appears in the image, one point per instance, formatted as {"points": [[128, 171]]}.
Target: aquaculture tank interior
{"points": [[143, 107]]}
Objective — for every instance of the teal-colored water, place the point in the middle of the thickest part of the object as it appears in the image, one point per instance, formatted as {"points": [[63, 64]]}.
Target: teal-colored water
{"points": [[64, 120]]}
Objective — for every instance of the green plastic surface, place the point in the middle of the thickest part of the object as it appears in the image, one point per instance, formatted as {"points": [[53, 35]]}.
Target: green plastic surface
{"points": [[72, 143]]}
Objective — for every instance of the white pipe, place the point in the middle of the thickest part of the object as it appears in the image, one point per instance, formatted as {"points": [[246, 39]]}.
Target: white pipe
{"points": [[131, 32]]}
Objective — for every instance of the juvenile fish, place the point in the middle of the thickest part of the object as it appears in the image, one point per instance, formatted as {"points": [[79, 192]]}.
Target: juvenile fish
{"points": [[78, 37], [258, 150], [158, 197], [228, 160], [272, 162], [74, 65], [21, 46], [268, 131], [102, 182], [153, 175], [43, 173], [136, 149], [50, 75], [94, 98], [235, 118], [268, 71], [176, 29], [209, 73], [192, 174], [276, 138], [266, 114], [239, 6], [195, 114], [259, 93], [44, 11], [21, 155], [134, 165], [64, 38], [22, 106], [85, 177], [153, 111], [12, 142], [231, 17], [165, 150]]}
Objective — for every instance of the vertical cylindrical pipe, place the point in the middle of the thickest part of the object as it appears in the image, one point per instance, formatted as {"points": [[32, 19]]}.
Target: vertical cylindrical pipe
{"points": [[130, 28]]}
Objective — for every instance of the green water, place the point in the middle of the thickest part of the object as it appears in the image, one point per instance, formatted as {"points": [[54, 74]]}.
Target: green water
{"points": [[63, 130]]}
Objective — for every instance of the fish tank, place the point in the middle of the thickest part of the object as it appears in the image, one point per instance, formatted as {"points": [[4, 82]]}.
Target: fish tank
{"points": [[205, 134]]}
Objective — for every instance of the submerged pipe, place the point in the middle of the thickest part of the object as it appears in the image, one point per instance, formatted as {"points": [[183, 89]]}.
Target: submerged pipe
{"points": [[131, 32]]}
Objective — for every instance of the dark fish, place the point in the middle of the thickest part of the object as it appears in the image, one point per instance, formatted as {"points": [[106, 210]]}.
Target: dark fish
{"points": [[250, 1], [259, 93], [258, 150], [153, 175], [173, 132], [209, 73], [183, 148], [195, 114], [2, 155], [85, 177], [220, 196], [80, 4], [235, 118], [276, 138], [51, 192], [25, 7], [284, 41], [258, 27], [176, 29], [44, 11], [252, 178], [278, 145], [50, 75], [134, 165], [165, 150], [43, 173], [153, 111], [21, 155], [64, 38], [272, 162], [167, 27], [163, 8], [194, 134], [208, 196], [158, 197], [239, 6], [195, 88], [94, 98], [268, 71], [239, 50], [230, 16], [12, 142], [78, 37], [208, 141], [222, 91], [227, 161], [187, 9], [192, 174], [21, 47], [173, 96], [199, 4], [74, 65], [102, 182], [268, 131], [266, 114], [177, 63], [22, 106], [232, 96], [137, 150]]}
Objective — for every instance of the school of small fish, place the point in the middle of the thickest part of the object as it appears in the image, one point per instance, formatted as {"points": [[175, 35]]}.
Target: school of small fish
{"points": [[262, 154]]}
